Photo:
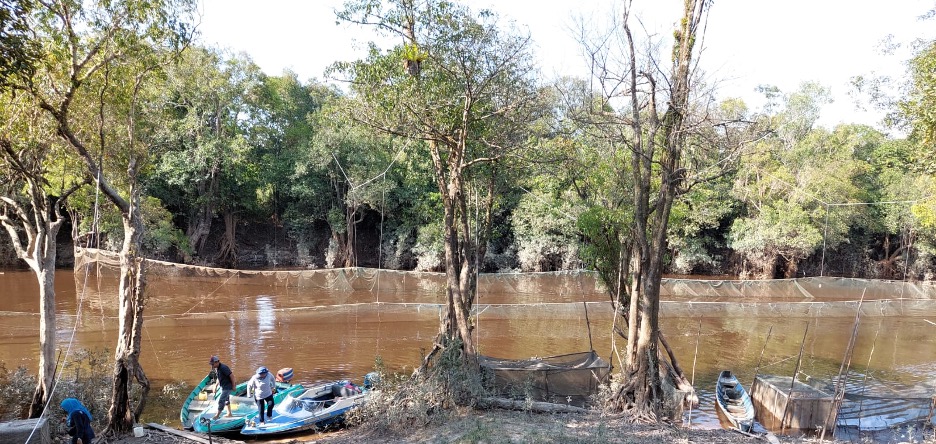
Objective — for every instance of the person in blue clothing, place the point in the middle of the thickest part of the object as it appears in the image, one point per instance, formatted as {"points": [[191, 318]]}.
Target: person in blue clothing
{"points": [[78, 421], [261, 387], [225, 382]]}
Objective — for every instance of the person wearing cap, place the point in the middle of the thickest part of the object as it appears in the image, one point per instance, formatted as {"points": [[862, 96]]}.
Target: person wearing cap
{"points": [[225, 378], [262, 386]]}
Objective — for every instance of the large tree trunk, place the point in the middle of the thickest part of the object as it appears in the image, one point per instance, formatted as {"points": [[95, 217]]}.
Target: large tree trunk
{"points": [[199, 226], [656, 149], [46, 277], [347, 239], [227, 251], [460, 267], [126, 364], [40, 223]]}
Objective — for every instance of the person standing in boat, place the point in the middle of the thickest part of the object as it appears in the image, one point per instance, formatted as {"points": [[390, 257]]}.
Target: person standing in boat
{"points": [[225, 379], [262, 386]]}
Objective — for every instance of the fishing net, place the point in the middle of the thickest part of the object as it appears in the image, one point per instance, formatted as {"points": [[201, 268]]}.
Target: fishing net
{"points": [[565, 379], [801, 297]]}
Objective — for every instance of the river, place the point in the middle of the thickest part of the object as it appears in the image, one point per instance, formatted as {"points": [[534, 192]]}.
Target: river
{"points": [[337, 326]]}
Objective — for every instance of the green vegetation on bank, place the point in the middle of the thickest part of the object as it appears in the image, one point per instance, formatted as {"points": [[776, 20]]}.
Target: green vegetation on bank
{"points": [[445, 151], [252, 169]]}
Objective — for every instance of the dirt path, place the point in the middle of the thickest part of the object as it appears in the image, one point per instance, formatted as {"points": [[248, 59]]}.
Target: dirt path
{"points": [[504, 426]]}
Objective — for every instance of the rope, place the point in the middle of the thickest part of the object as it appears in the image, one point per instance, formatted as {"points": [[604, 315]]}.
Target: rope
{"points": [[368, 181]]}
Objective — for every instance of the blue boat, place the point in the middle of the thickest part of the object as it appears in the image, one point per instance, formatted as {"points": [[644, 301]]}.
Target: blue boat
{"points": [[242, 410], [200, 399], [734, 402], [313, 408]]}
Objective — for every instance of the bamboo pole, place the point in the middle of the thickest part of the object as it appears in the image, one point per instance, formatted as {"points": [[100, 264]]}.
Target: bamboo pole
{"points": [[757, 368], [843, 370], [591, 346], [760, 359], [864, 381], [799, 359], [694, 357]]}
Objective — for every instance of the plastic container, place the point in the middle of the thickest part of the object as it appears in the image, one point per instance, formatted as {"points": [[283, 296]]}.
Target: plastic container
{"points": [[139, 432]]}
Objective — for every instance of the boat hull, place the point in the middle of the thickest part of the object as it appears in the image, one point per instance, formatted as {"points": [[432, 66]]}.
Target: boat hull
{"points": [[201, 399], [733, 402], [313, 408], [242, 409]]}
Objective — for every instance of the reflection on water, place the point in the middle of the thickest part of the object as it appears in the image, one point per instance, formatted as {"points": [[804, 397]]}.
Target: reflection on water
{"points": [[339, 329]]}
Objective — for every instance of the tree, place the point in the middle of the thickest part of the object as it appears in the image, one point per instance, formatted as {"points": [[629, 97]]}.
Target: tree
{"points": [[661, 140], [918, 106], [18, 51], [206, 107], [796, 188], [465, 91], [31, 212], [281, 131], [100, 55]]}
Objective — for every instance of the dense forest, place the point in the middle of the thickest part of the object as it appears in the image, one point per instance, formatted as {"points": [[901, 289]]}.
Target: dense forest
{"points": [[448, 151], [251, 170]]}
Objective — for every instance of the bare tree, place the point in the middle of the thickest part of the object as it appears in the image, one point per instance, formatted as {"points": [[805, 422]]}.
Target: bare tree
{"points": [[651, 116], [105, 54], [32, 218]]}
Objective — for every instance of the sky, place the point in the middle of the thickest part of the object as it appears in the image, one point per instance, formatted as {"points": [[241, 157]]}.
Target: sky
{"points": [[747, 42]]}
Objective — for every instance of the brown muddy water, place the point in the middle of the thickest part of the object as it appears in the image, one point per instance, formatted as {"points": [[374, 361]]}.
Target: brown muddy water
{"points": [[338, 325]]}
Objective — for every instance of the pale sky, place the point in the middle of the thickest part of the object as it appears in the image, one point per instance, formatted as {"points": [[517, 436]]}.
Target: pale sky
{"points": [[747, 42]]}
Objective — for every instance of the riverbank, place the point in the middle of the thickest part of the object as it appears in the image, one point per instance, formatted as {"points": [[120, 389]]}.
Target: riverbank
{"points": [[506, 426]]}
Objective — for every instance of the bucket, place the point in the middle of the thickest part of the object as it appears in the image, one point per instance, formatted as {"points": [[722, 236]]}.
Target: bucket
{"points": [[202, 396], [139, 432]]}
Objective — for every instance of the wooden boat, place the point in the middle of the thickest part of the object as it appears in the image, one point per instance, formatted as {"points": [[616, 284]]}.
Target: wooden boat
{"points": [[242, 410], [200, 399], [313, 408], [734, 402]]}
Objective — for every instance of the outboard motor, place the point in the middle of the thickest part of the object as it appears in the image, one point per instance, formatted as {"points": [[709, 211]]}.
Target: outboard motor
{"points": [[371, 380], [284, 375]]}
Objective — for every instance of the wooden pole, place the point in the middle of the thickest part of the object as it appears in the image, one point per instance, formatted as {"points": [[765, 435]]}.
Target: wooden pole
{"points": [[799, 359]]}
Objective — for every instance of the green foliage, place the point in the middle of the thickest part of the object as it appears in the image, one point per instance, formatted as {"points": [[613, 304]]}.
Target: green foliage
{"points": [[919, 107], [782, 228], [695, 234], [545, 230], [801, 184], [430, 246], [413, 53], [924, 209], [19, 52], [16, 391], [162, 239], [606, 232]]}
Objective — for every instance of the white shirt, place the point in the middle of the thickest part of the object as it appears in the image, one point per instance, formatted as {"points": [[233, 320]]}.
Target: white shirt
{"points": [[260, 386]]}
